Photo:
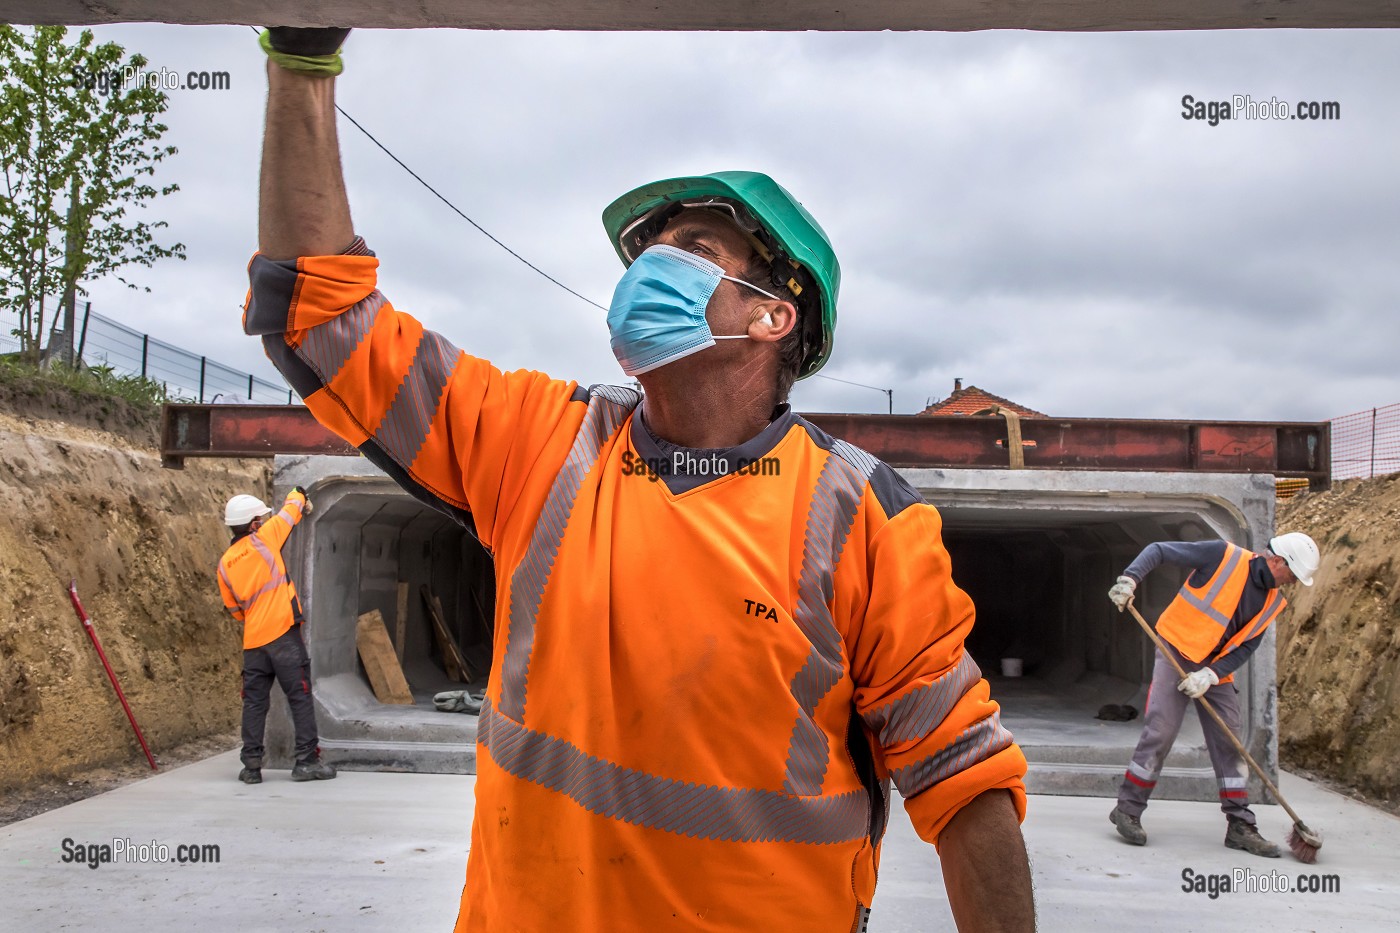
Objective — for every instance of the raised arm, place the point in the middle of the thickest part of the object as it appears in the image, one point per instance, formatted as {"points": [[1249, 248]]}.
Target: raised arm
{"points": [[451, 429], [302, 206]]}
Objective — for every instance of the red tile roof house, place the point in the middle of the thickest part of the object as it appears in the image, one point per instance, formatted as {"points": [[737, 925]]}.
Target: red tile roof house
{"points": [[971, 400]]}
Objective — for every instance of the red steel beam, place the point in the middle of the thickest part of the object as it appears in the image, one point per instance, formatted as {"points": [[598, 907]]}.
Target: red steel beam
{"points": [[1292, 449], [243, 431]]}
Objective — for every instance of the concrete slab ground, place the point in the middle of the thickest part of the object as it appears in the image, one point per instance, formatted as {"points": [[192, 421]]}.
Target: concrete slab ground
{"points": [[381, 851]]}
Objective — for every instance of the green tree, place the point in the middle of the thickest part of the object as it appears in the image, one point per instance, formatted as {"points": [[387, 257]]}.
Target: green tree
{"points": [[79, 147]]}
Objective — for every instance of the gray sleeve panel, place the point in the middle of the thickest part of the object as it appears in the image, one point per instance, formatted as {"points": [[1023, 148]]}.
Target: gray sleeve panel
{"points": [[892, 491], [292, 367], [272, 285], [1201, 556]]}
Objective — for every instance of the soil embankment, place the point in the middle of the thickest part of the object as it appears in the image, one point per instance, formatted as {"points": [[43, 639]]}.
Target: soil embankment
{"points": [[90, 501], [1339, 641]]}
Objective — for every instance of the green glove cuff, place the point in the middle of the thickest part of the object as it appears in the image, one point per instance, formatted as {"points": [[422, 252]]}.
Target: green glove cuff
{"points": [[326, 66]]}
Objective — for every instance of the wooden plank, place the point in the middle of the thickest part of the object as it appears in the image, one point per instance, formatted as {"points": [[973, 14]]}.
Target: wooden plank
{"points": [[381, 664], [401, 623], [458, 658], [452, 660]]}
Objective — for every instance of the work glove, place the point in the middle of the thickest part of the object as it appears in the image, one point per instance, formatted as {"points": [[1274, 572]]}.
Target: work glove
{"points": [[1122, 592], [306, 505], [314, 51], [1198, 682]]}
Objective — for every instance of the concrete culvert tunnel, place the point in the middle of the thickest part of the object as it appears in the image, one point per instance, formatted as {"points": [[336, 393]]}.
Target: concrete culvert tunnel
{"points": [[1037, 550], [364, 541]]}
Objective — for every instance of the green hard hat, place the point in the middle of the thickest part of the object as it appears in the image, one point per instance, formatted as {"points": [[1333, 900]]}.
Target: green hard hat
{"points": [[780, 228]]}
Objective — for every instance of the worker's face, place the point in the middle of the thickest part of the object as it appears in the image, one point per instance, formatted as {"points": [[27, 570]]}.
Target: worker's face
{"points": [[732, 308], [1280, 569]]}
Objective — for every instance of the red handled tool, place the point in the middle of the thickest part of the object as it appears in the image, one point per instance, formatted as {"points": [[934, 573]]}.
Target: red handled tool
{"points": [[92, 634]]}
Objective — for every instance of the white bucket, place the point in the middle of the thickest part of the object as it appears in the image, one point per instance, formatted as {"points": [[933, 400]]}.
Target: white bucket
{"points": [[1011, 667]]}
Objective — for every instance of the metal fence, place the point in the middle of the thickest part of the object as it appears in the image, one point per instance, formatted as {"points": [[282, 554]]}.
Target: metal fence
{"points": [[101, 341], [1366, 443], [186, 376]]}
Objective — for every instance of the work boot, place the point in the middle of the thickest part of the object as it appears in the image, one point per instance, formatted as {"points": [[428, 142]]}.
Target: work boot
{"points": [[1129, 827], [1242, 834], [314, 770], [250, 775]]}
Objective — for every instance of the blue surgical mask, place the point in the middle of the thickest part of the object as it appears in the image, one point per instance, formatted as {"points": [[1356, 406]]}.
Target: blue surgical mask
{"points": [[657, 314]]}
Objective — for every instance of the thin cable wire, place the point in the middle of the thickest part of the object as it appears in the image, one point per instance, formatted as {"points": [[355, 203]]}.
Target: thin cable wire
{"points": [[455, 209], [850, 383], [460, 214]]}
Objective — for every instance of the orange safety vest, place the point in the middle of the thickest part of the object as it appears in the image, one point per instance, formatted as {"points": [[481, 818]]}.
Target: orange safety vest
{"points": [[668, 738], [1196, 619], [253, 579]]}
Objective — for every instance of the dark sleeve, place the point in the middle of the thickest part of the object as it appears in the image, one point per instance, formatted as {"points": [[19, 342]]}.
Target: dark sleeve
{"points": [[1202, 557], [1233, 661]]}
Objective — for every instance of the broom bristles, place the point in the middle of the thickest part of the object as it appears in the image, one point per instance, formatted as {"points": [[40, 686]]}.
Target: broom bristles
{"points": [[1304, 843]]}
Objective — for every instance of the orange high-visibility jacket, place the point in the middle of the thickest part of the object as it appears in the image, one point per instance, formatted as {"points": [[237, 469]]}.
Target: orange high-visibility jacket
{"points": [[696, 697], [254, 581], [1196, 619]]}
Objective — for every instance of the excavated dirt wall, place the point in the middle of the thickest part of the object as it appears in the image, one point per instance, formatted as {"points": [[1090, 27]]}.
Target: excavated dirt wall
{"points": [[92, 502], [1339, 641]]}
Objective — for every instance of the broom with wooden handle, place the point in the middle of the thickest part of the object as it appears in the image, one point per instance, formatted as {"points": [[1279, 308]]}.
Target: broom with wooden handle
{"points": [[1303, 841]]}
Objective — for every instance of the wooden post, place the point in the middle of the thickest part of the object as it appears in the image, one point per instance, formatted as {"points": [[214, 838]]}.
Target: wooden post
{"points": [[401, 623]]}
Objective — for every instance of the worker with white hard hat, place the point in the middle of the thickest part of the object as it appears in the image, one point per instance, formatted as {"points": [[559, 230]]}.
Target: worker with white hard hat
{"points": [[258, 592], [1212, 627]]}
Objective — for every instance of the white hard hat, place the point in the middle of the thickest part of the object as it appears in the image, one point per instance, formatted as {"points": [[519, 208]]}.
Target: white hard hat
{"points": [[242, 509], [1300, 552]]}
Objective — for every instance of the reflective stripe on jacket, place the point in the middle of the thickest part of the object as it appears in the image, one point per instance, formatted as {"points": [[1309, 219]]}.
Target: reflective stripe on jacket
{"points": [[1197, 618], [253, 579]]}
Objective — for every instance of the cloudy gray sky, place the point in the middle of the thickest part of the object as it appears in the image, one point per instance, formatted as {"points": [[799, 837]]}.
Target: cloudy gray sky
{"points": [[1027, 211]]}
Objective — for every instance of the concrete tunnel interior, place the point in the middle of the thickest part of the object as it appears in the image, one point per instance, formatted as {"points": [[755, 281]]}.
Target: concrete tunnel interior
{"points": [[1039, 582], [1038, 572], [367, 545]]}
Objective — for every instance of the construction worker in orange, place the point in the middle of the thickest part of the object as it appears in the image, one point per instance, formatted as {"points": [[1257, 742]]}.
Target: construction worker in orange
{"points": [[258, 592], [1211, 628], [720, 632]]}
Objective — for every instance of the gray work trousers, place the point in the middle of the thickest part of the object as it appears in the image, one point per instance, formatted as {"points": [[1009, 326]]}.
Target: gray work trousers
{"points": [[285, 660], [1166, 707]]}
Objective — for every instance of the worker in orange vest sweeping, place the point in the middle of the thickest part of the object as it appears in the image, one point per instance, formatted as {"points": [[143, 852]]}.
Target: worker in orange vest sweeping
{"points": [[1213, 626], [259, 593]]}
